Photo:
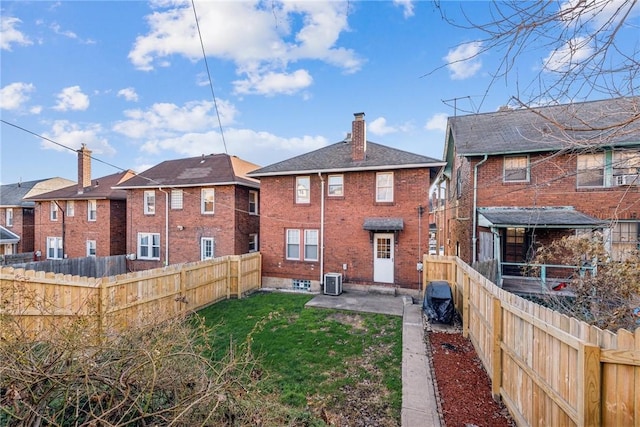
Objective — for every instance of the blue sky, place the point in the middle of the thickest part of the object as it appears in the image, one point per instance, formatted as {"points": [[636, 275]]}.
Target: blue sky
{"points": [[128, 79]]}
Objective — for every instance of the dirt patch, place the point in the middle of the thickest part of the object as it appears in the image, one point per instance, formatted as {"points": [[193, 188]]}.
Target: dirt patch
{"points": [[352, 319]]}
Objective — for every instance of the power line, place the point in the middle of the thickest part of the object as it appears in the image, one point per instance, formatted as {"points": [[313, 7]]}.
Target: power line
{"points": [[206, 63]]}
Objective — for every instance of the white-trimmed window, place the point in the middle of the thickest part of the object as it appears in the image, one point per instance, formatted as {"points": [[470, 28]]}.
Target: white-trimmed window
{"points": [[150, 202], [9, 217], [91, 248], [590, 171], [207, 248], [176, 199], [54, 248], [626, 167], [625, 239], [293, 244], [310, 245], [516, 169], [208, 197], [303, 189], [253, 242], [336, 185], [71, 208], [149, 246], [54, 211], [92, 210], [384, 187], [253, 202]]}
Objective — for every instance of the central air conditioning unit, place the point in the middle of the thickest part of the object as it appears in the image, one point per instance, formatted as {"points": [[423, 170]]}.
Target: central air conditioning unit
{"points": [[632, 179], [333, 283]]}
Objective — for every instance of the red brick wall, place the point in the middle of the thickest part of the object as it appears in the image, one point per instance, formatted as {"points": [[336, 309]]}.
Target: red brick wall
{"points": [[108, 230], [22, 226], [345, 240], [229, 225]]}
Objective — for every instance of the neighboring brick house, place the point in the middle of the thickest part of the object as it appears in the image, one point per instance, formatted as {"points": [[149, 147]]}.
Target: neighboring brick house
{"points": [[17, 214], [519, 178], [354, 208], [191, 209], [84, 219]]}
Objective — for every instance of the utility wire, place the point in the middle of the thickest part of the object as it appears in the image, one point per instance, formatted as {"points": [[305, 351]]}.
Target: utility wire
{"points": [[206, 63]]}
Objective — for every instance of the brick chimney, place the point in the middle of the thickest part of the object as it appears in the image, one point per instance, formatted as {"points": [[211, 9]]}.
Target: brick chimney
{"points": [[84, 168], [358, 138]]}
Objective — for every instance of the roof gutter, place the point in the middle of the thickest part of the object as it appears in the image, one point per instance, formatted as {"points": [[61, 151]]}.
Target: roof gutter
{"points": [[474, 239]]}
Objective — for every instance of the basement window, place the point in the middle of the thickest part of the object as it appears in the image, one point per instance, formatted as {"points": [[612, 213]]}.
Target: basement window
{"points": [[301, 285]]}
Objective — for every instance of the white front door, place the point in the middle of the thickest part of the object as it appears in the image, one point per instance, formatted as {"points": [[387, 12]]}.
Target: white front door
{"points": [[383, 258]]}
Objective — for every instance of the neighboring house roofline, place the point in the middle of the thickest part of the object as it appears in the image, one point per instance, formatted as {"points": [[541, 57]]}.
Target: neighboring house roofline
{"points": [[8, 236], [171, 186], [353, 169]]}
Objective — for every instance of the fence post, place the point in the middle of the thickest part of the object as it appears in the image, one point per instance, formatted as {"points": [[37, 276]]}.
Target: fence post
{"points": [[466, 288], [589, 385], [102, 308], [182, 307], [496, 351], [233, 271]]}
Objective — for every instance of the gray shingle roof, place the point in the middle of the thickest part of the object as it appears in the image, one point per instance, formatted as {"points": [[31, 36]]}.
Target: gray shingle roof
{"points": [[101, 188], [383, 224], [14, 194], [212, 169], [337, 158], [7, 236], [548, 217], [595, 123]]}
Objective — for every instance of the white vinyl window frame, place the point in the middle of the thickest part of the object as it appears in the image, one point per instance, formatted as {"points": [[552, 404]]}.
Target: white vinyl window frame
{"points": [[384, 187], [92, 210], [149, 246], [253, 242], [207, 248], [54, 248], [516, 169], [71, 208], [335, 185], [303, 189], [293, 244], [177, 199], [149, 200], [91, 247], [8, 218], [207, 201], [53, 215], [253, 202], [311, 245]]}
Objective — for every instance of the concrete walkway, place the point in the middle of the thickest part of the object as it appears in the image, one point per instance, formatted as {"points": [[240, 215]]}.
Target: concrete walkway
{"points": [[419, 400]]}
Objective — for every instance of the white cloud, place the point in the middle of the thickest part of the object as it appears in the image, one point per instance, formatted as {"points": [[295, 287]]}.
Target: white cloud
{"points": [[9, 34], [597, 13], [570, 55], [72, 98], [437, 122], [73, 136], [129, 94], [14, 95], [269, 37], [463, 61], [165, 120], [379, 127], [406, 5], [274, 83]]}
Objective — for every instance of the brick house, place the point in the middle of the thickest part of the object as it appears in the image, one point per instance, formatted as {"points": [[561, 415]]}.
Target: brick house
{"points": [[354, 208], [191, 209], [84, 219], [519, 178], [17, 214]]}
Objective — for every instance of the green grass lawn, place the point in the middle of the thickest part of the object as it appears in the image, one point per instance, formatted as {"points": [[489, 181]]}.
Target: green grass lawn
{"points": [[345, 363]]}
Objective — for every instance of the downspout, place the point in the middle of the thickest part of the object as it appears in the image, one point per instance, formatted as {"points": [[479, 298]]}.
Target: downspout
{"points": [[321, 228], [166, 227], [474, 257]]}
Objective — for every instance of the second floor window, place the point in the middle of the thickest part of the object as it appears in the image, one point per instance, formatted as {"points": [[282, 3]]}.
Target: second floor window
{"points": [[71, 208], [54, 211], [149, 202], [384, 187], [208, 201], [590, 170], [176, 199], [303, 189], [9, 217], [253, 202], [336, 185], [92, 210], [516, 169]]}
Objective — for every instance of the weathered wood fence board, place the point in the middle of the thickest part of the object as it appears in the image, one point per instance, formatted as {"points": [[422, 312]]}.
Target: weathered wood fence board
{"points": [[37, 301], [547, 368]]}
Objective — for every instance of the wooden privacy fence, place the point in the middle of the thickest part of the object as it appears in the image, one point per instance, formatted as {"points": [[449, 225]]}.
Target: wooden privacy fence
{"points": [[34, 302], [548, 369]]}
